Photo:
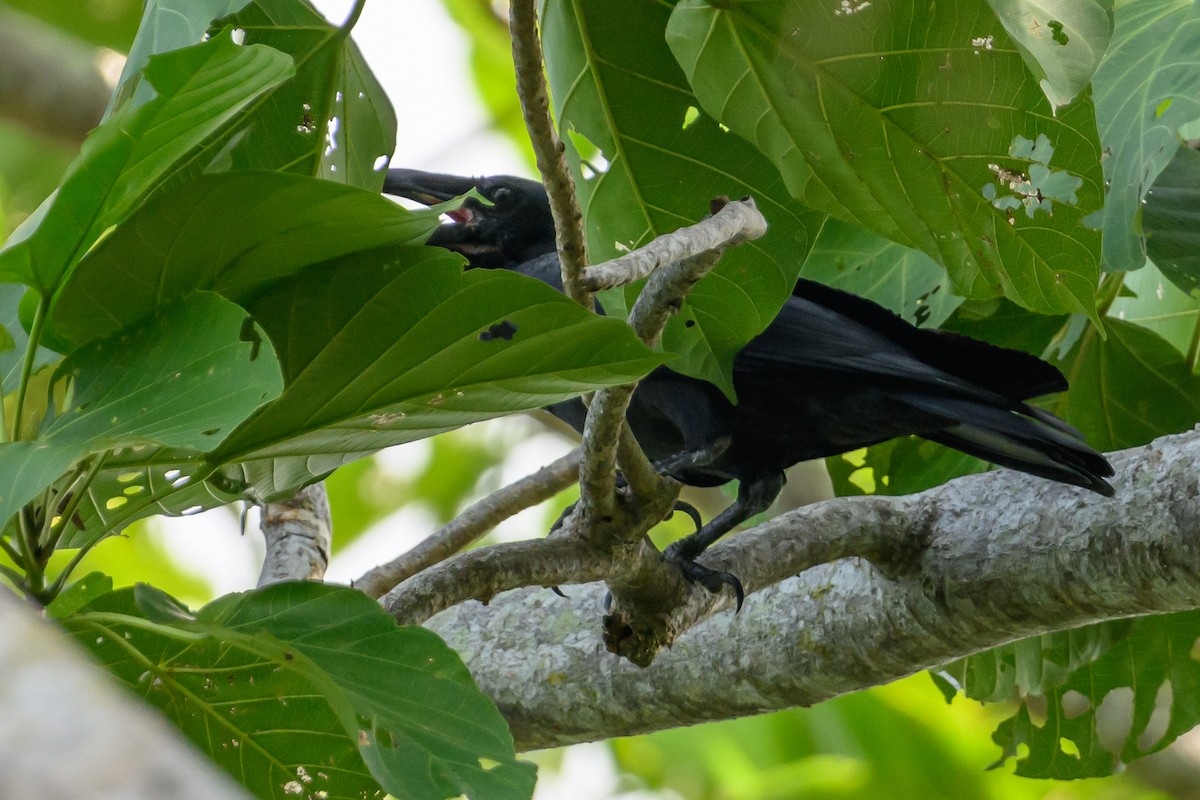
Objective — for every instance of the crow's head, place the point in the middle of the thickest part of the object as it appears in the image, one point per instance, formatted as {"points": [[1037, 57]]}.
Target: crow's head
{"points": [[515, 228]]}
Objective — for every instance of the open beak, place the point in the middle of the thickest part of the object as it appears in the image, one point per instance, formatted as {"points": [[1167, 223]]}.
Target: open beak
{"points": [[427, 188], [431, 188]]}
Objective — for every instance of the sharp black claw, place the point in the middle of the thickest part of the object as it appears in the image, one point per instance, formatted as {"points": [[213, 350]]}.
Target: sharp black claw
{"points": [[690, 510], [559, 592], [711, 579]]}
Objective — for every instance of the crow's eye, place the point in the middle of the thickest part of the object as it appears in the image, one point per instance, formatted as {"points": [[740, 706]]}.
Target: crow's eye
{"points": [[502, 196]]}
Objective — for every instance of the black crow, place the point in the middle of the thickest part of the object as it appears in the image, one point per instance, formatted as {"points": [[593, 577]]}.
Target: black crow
{"points": [[833, 372]]}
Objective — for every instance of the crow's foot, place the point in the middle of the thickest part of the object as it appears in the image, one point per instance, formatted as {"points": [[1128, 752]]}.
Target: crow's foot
{"points": [[711, 579]]}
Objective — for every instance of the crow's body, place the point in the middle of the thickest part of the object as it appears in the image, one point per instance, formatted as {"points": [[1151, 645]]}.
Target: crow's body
{"points": [[832, 373]]}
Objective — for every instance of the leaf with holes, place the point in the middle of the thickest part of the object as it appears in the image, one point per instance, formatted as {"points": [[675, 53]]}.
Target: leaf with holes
{"points": [[1150, 678], [303, 688], [617, 88], [1062, 41], [333, 119], [917, 121], [166, 25], [202, 90], [1147, 86], [181, 378], [270, 226]]}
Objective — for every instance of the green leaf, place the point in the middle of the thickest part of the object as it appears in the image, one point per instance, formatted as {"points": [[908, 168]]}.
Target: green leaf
{"points": [[899, 467], [904, 280], [617, 88], [1151, 678], [1146, 89], [79, 594], [1061, 41], [1128, 388], [201, 90], [333, 119], [181, 378], [1158, 305], [899, 117], [1171, 220], [393, 345], [166, 25], [305, 688], [270, 225], [142, 482], [1035, 666]]}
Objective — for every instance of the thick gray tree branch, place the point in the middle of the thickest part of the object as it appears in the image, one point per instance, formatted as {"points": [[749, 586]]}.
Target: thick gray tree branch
{"points": [[68, 732], [981, 561], [298, 534]]}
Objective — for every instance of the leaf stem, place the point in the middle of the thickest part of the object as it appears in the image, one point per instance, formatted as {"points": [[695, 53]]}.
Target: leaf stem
{"points": [[1110, 289], [352, 19], [10, 551], [34, 569], [52, 531], [35, 337]]}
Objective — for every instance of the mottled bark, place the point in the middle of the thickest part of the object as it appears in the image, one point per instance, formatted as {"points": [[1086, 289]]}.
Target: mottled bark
{"points": [[917, 581]]}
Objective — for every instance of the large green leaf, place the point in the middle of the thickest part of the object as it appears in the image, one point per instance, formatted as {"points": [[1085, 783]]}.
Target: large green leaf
{"points": [[617, 87], [917, 121], [1171, 220], [1150, 677], [166, 25], [1062, 41], [303, 689], [1146, 88], [270, 225], [201, 89], [394, 345], [181, 378], [907, 281], [332, 119], [1127, 388]]}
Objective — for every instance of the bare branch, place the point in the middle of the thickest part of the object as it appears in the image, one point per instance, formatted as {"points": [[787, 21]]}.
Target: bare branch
{"points": [[299, 534], [548, 148], [482, 574], [732, 224], [472, 524], [978, 562]]}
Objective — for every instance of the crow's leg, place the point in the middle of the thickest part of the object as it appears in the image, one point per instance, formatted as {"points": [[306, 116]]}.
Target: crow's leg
{"points": [[754, 496]]}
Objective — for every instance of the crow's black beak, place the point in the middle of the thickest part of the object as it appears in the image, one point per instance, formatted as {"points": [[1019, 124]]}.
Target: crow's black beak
{"points": [[428, 188]]}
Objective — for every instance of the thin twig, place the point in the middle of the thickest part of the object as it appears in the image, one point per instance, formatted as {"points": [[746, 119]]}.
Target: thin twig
{"points": [[483, 573], [472, 524], [548, 147]]}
